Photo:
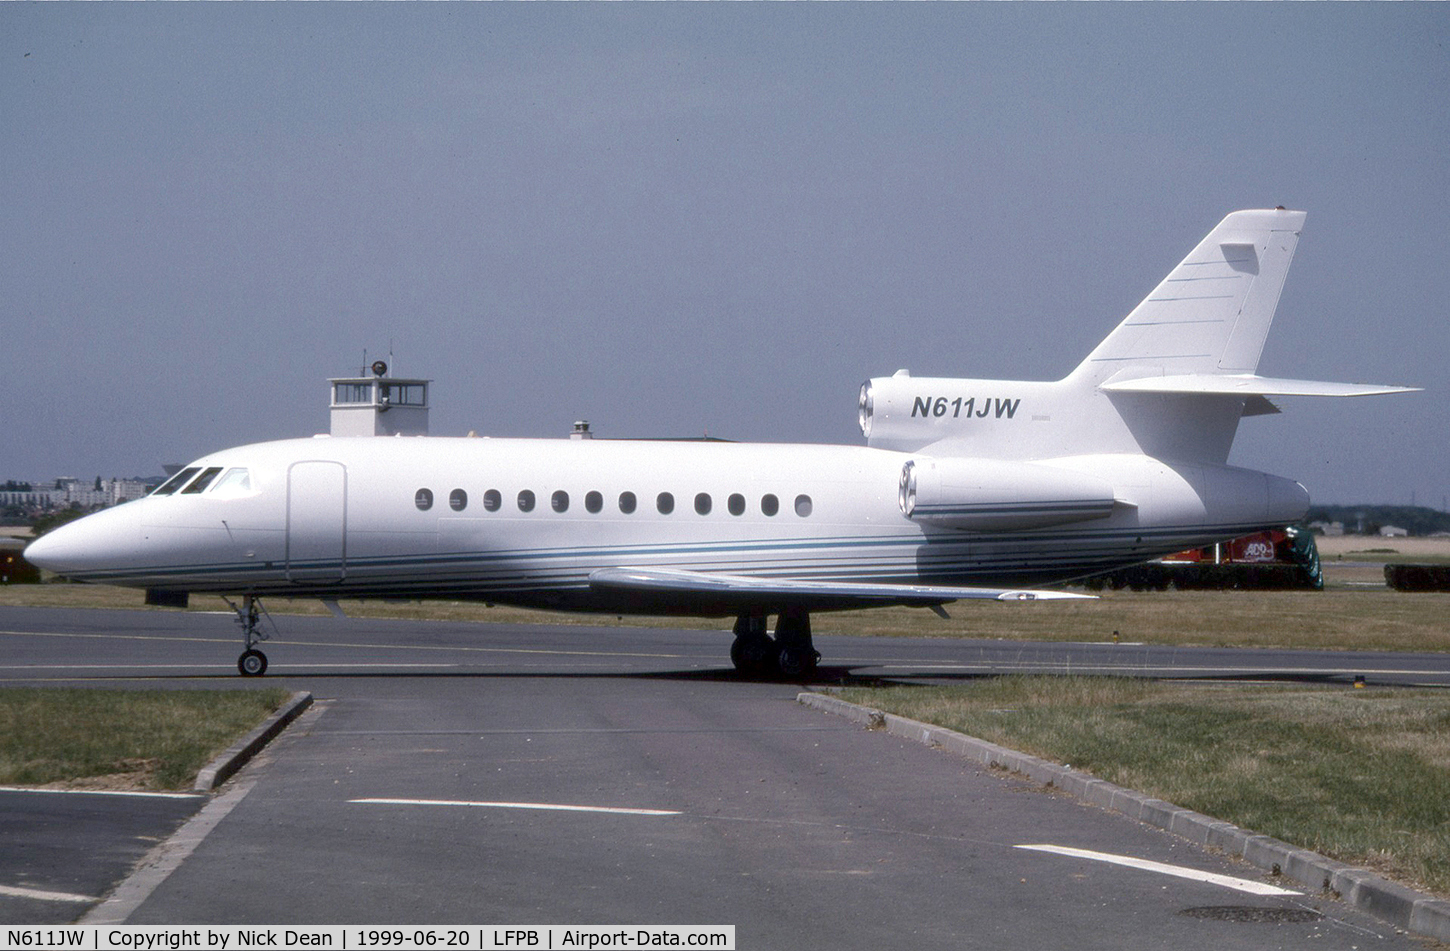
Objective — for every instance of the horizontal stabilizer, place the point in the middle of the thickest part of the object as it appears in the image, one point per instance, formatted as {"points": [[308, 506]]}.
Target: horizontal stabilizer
{"points": [[675, 580], [1247, 384]]}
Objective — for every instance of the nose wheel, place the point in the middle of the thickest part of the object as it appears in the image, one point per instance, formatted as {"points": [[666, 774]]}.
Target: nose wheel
{"points": [[252, 663]]}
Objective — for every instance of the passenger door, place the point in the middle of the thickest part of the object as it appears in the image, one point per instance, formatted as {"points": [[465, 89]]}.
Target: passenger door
{"points": [[316, 522]]}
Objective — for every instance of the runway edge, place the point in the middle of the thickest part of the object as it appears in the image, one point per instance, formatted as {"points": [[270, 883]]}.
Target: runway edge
{"points": [[1403, 907]]}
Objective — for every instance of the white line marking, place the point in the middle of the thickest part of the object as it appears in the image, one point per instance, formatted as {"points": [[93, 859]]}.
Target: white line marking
{"points": [[102, 792], [39, 895], [546, 806], [1178, 871]]}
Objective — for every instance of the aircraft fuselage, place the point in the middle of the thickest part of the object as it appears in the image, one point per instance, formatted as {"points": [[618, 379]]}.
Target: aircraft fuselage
{"points": [[527, 521]]}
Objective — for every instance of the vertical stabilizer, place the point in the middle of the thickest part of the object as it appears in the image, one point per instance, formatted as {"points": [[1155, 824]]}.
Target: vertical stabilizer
{"points": [[1211, 314]]}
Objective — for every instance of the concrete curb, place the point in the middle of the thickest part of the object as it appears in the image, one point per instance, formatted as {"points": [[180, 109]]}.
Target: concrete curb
{"points": [[1402, 907], [236, 756]]}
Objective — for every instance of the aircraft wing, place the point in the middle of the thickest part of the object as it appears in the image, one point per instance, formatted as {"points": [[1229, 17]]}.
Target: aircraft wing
{"points": [[1248, 384], [744, 590]]}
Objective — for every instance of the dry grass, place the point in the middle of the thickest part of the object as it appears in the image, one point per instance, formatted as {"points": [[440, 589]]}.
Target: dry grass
{"points": [[1356, 774], [1342, 548], [1334, 619], [121, 739]]}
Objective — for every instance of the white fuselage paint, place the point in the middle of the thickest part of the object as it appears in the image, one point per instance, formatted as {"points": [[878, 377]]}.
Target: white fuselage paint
{"points": [[337, 517]]}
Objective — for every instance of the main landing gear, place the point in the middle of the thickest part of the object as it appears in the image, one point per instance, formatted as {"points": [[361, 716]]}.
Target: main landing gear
{"points": [[252, 663], [790, 654]]}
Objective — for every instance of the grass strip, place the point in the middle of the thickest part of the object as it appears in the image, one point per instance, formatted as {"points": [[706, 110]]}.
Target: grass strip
{"points": [[152, 740], [1358, 775]]}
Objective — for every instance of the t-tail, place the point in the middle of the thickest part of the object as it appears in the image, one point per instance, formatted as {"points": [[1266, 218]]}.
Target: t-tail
{"points": [[1171, 381]]}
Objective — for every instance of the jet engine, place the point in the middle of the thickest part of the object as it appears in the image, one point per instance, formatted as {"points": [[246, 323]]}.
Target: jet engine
{"points": [[993, 495]]}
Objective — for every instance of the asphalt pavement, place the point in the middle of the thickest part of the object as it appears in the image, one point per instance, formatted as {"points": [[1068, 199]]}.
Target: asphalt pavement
{"points": [[516, 774]]}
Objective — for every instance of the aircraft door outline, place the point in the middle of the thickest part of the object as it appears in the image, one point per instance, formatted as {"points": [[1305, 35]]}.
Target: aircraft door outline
{"points": [[316, 546]]}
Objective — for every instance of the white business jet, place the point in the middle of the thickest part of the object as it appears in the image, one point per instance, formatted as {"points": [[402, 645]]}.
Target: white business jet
{"points": [[965, 489]]}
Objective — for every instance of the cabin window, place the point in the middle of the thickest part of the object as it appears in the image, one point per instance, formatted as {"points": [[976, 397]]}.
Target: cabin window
{"points": [[526, 501], [769, 504], [492, 499], [176, 481], [560, 501], [458, 500], [803, 505], [627, 502], [202, 481], [736, 504], [593, 503], [665, 502], [702, 503], [423, 498]]}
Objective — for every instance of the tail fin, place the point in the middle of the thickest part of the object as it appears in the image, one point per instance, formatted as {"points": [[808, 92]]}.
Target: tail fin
{"points": [[1211, 314], [1171, 381]]}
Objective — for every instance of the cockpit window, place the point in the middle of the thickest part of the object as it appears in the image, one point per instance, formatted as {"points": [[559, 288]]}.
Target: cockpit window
{"points": [[236, 482], [200, 483], [176, 481]]}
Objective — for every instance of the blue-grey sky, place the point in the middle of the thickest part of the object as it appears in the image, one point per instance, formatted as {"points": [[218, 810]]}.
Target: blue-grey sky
{"points": [[679, 219]]}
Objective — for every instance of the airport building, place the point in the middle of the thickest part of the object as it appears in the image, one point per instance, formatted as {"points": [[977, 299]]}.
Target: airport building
{"points": [[379, 404]]}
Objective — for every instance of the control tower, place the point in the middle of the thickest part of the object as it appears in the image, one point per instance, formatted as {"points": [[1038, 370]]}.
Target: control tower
{"points": [[379, 405]]}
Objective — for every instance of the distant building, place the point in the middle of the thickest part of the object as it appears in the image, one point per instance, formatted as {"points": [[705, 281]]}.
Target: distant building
{"points": [[66, 492], [33, 499], [125, 490], [1393, 531], [1327, 528]]}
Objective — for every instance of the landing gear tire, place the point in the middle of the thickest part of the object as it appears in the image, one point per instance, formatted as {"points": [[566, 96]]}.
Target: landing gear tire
{"points": [[797, 663], [752, 652], [753, 658], [252, 663], [797, 656]]}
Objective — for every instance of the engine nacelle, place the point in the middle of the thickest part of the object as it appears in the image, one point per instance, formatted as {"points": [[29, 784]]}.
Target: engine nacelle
{"points": [[993, 495], [991, 418]]}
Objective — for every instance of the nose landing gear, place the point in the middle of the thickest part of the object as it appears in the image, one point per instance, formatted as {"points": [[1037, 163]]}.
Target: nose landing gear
{"points": [[252, 663]]}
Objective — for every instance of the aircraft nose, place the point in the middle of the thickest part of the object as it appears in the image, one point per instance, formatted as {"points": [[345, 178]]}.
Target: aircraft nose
{"points": [[107, 539]]}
